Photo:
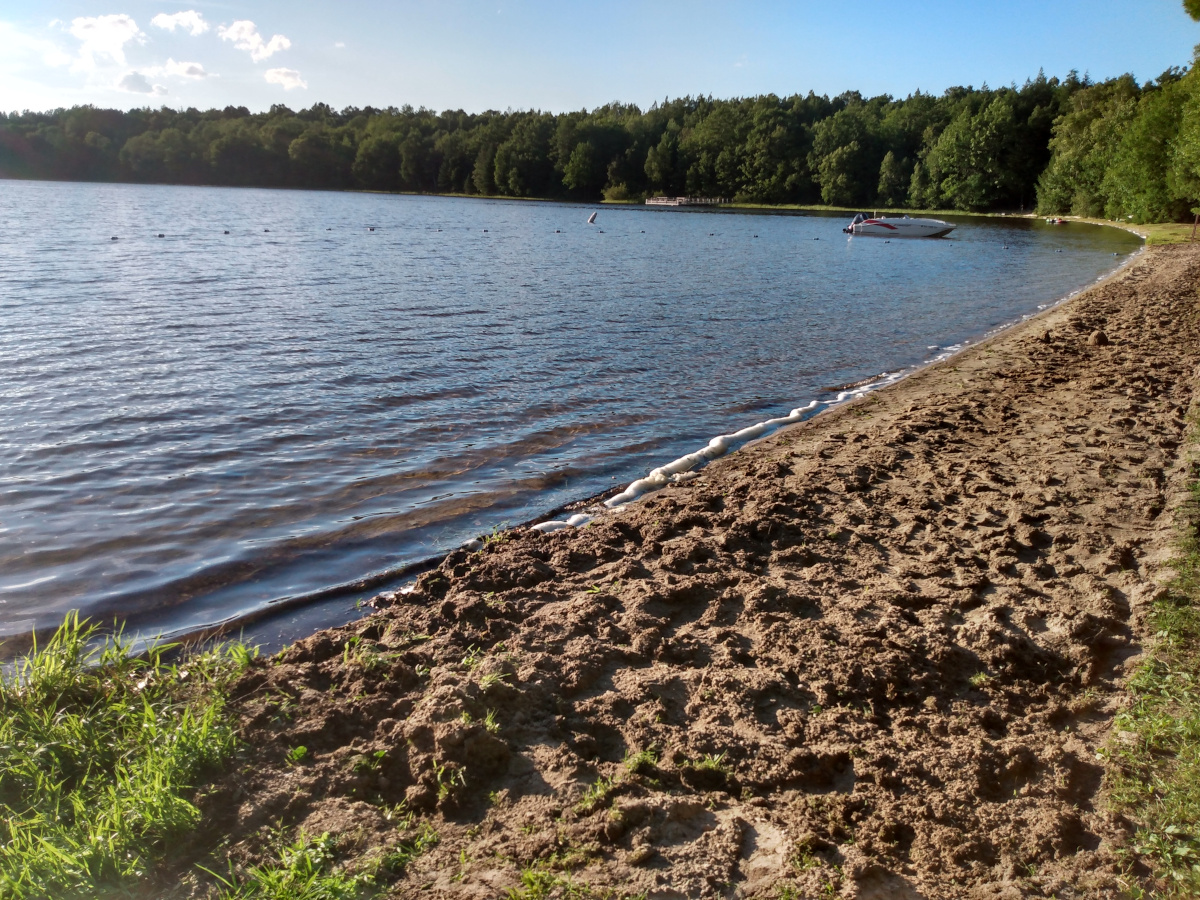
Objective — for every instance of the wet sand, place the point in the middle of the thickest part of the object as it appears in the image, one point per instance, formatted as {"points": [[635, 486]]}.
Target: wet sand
{"points": [[874, 654]]}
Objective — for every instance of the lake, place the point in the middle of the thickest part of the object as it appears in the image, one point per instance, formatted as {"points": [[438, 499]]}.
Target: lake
{"points": [[288, 391]]}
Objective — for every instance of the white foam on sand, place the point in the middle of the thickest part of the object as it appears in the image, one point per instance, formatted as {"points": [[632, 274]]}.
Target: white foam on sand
{"points": [[685, 467]]}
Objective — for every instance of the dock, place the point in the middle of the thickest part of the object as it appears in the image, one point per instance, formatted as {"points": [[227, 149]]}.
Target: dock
{"points": [[685, 201]]}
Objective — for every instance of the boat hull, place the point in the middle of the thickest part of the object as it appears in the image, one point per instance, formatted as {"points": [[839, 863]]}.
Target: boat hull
{"points": [[901, 228]]}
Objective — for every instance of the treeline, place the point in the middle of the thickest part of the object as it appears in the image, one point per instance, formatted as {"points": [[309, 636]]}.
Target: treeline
{"points": [[1121, 150], [1064, 146]]}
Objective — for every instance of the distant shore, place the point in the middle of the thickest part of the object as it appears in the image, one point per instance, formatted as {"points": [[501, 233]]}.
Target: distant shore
{"points": [[877, 652], [1152, 233]]}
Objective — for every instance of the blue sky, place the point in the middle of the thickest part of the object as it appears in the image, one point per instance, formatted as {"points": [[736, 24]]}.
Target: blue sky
{"points": [[556, 56]]}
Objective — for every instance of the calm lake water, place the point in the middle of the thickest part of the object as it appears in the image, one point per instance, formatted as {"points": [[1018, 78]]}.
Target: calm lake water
{"points": [[272, 400]]}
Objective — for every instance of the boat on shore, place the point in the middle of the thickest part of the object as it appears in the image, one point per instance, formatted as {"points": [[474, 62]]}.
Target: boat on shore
{"points": [[898, 227]]}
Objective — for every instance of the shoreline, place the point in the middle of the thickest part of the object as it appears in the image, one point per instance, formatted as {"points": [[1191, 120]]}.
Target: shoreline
{"points": [[360, 586], [599, 504], [596, 504], [874, 653], [1151, 232]]}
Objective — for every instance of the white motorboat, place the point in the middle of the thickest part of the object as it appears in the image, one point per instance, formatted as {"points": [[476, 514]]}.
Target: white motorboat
{"points": [[898, 227]]}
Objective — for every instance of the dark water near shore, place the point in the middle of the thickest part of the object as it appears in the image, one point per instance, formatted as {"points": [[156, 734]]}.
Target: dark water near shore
{"points": [[199, 426]]}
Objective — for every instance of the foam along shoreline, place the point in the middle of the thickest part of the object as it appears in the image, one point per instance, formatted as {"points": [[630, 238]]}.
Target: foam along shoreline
{"points": [[687, 466], [678, 471]]}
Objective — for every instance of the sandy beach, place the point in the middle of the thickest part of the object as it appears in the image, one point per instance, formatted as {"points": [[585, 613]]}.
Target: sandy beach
{"points": [[871, 656]]}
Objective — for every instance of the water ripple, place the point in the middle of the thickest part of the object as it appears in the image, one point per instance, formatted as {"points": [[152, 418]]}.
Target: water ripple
{"points": [[207, 426]]}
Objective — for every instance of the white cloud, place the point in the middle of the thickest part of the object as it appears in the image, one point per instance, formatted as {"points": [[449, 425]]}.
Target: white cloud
{"points": [[137, 83], [190, 21], [184, 69], [340, 45], [287, 78], [193, 70], [104, 39], [245, 36]]}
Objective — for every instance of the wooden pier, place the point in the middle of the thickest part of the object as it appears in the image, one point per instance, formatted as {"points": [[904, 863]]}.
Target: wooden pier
{"points": [[685, 201]]}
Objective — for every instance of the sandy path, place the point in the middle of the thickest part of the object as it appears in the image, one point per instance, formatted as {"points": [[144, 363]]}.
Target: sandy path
{"points": [[898, 633]]}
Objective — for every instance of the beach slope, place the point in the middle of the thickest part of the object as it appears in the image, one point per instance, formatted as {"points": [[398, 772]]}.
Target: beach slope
{"points": [[874, 655]]}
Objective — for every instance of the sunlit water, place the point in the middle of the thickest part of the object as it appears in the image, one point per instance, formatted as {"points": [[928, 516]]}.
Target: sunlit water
{"points": [[203, 426]]}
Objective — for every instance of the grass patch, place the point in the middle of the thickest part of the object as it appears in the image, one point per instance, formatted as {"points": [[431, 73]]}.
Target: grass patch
{"points": [[712, 762], [595, 796], [423, 839], [538, 882], [1166, 233], [101, 751], [1154, 751], [305, 870], [1151, 232], [642, 762]]}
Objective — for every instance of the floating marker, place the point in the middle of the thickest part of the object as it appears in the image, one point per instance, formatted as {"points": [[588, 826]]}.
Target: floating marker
{"points": [[160, 235], [267, 230], [112, 238]]}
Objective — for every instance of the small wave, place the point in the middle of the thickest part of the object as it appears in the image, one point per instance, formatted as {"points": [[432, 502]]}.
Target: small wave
{"points": [[685, 467]]}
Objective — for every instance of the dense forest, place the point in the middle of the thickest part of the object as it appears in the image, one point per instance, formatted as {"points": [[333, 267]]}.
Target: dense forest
{"points": [[1115, 148]]}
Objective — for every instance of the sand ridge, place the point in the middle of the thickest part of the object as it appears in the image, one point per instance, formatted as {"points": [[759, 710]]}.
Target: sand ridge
{"points": [[873, 655]]}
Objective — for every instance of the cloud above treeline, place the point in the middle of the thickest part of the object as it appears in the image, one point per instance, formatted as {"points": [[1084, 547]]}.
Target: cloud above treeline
{"points": [[102, 53], [103, 39], [189, 21], [286, 78], [137, 83], [245, 36]]}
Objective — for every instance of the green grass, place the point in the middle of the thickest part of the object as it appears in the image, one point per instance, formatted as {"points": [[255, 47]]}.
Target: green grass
{"points": [[100, 753], [1154, 752], [712, 762], [305, 870], [539, 882], [1165, 233], [1152, 233], [423, 839], [595, 796], [642, 762]]}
